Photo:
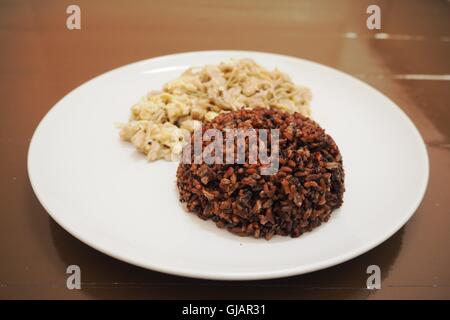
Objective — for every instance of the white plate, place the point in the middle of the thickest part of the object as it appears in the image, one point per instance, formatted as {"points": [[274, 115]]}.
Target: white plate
{"points": [[107, 195]]}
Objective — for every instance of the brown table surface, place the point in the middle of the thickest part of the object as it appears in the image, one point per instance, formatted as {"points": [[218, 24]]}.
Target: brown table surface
{"points": [[40, 61]]}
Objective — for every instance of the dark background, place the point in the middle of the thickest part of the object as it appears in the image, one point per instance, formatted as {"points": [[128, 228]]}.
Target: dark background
{"points": [[41, 61]]}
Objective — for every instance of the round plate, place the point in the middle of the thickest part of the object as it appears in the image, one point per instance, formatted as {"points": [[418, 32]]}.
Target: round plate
{"points": [[109, 196]]}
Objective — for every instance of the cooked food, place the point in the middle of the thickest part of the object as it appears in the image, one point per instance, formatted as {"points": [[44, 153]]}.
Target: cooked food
{"points": [[160, 122], [300, 196]]}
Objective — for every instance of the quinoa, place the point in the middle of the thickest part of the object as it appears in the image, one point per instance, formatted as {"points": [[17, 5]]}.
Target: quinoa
{"points": [[300, 196]]}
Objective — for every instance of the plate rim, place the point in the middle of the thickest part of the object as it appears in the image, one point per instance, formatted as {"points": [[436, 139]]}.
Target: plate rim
{"points": [[238, 276]]}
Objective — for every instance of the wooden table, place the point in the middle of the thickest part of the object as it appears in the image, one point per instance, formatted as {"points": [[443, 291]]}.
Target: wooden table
{"points": [[41, 60]]}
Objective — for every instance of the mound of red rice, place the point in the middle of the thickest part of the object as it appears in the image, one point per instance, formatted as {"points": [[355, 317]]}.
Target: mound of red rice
{"points": [[308, 186]]}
